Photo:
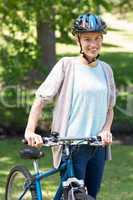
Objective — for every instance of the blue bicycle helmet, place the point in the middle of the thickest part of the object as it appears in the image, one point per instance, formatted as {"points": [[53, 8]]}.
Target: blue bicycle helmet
{"points": [[88, 23]]}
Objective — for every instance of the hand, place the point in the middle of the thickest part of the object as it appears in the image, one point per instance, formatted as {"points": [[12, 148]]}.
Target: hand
{"points": [[33, 139], [106, 137]]}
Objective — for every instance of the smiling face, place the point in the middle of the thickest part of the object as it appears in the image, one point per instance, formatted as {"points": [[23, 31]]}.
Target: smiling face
{"points": [[91, 43]]}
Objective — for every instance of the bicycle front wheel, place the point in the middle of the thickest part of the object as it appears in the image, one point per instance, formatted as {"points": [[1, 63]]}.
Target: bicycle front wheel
{"points": [[17, 187]]}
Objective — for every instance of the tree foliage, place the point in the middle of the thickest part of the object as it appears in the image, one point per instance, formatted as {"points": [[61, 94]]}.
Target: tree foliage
{"points": [[24, 32], [19, 27], [123, 6]]}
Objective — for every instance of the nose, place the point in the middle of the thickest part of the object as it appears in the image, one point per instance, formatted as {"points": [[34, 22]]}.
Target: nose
{"points": [[92, 45], [92, 42]]}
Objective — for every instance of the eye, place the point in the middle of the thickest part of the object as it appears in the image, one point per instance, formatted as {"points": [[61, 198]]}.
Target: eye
{"points": [[99, 39], [87, 39]]}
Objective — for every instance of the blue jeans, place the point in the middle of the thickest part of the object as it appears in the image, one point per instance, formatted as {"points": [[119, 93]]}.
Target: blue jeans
{"points": [[89, 164]]}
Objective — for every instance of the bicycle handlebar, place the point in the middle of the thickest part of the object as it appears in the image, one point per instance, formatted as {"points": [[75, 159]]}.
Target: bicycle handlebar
{"points": [[54, 140]]}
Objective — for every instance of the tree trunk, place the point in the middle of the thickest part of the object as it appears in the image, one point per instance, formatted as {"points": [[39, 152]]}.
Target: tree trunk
{"points": [[46, 41]]}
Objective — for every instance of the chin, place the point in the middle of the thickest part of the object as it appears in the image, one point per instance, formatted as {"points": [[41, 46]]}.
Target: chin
{"points": [[92, 55]]}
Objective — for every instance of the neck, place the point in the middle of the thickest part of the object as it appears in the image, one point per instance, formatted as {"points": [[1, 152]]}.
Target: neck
{"points": [[84, 61]]}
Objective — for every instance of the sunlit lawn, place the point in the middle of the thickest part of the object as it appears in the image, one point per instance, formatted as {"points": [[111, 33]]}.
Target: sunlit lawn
{"points": [[118, 177]]}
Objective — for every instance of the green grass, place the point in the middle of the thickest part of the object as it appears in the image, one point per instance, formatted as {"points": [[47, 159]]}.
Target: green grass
{"points": [[118, 177]]}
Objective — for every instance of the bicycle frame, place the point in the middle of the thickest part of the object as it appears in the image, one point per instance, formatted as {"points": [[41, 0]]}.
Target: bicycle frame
{"points": [[38, 176], [66, 165]]}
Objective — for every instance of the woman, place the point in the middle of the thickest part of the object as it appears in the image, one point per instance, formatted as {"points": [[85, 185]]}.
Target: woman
{"points": [[85, 96]]}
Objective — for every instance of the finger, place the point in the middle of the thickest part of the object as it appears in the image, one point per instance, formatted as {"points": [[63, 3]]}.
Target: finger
{"points": [[29, 140], [110, 141], [103, 141], [40, 140], [33, 141], [103, 136], [109, 138], [106, 138]]}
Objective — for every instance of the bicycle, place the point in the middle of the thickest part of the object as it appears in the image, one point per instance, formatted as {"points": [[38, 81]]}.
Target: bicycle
{"points": [[70, 188]]}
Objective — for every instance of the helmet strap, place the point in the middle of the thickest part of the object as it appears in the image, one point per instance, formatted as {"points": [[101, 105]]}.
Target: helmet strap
{"points": [[88, 59], [85, 55], [81, 50]]}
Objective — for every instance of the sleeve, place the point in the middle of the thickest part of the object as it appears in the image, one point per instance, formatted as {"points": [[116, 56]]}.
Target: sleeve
{"points": [[49, 88], [112, 90]]}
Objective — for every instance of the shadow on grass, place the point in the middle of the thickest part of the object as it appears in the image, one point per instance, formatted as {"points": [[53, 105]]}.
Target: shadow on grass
{"points": [[121, 63], [109, 45], [114, 29]]}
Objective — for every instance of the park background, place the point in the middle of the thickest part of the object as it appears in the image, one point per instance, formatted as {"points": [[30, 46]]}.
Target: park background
{"points": [[33, 36]]}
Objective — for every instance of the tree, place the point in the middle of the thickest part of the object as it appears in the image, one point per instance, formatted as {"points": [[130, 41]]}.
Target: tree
{"points": [[27, 46], [44, 17], [123, 6]]}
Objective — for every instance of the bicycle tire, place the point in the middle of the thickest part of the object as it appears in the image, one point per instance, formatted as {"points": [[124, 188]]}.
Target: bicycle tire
{"points": [[17, 179]]}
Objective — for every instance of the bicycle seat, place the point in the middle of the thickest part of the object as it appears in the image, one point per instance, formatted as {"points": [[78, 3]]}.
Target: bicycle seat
{"points": [[31, 153]]}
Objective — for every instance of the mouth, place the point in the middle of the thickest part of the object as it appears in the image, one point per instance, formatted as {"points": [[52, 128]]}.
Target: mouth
{"points": [[93, 51]]}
